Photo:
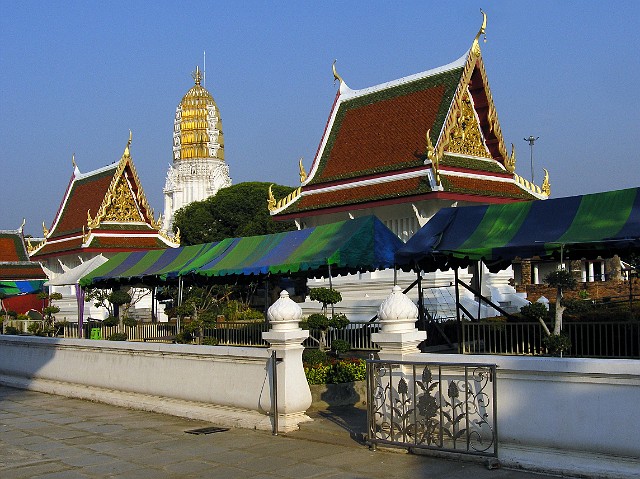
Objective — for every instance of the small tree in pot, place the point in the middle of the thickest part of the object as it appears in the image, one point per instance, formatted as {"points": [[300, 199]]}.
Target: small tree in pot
{"points": [[321, 321]]}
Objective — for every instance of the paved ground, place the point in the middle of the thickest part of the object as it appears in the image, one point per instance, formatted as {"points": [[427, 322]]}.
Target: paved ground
{"points": [[46, 436]]}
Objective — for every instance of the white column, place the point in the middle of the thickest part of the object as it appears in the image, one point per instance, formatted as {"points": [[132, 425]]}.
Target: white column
{"points": [[286, 338], [591, 272], [398, 335]]}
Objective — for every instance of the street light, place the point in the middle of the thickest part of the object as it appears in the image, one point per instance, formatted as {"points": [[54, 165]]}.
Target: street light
{"points": [[532, 139]]}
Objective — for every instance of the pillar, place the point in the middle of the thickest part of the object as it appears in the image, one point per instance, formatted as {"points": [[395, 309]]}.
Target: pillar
{"points": [[285, 337]]}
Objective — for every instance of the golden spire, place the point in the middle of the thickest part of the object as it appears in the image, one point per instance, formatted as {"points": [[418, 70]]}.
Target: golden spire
{"points": [[303, 174], [197, 76], [335, 73], [475, 48], [45, 231], [127, 153]]}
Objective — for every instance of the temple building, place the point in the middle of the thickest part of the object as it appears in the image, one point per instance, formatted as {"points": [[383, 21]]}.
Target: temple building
{"points": [[198, 170], [103, 212], [20, 278], [403, 150]]}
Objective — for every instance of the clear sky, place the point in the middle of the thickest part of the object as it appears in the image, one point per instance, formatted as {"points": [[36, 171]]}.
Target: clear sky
{"points": [[76, 76]]}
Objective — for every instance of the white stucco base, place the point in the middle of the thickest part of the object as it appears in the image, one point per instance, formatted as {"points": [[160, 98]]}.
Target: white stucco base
{"points": [[223, 385], [568, 416]]}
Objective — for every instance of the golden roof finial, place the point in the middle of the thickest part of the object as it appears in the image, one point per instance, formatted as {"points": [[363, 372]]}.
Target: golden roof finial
{"points": [[24, 222], [546, 186], [510, 161], [271, 201], [433, 157], [73, 161], [303, 174], [335, 73], [45, 231], [475, 48], [197, 76], [127, 153]]}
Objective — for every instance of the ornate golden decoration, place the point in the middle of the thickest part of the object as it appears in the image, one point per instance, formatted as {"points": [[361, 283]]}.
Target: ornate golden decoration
{"points": [[121, 205], [177, 236], [433, 157], [466, 137], [303, 174], [510, 161], [143, 212], [335, 73], [273, 205], [45, 231], [475, 48], [30, 247], [174, 240], [546, 186], [85, 235], [271, 200]]}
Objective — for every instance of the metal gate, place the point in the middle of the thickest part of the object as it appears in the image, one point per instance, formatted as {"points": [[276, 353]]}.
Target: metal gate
{"points": [[445, 407]]}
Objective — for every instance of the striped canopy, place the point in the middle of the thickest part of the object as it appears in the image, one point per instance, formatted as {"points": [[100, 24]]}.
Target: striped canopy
{"points": [[15, 288], [363, 244], [601, 224]]}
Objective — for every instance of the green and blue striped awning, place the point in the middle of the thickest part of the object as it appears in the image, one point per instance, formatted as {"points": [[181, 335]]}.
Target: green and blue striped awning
{"points": [[16, 288], [600, 224], [362, 244]]}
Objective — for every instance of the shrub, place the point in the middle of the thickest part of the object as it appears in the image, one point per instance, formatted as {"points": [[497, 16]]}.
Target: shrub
{"points": [[557, 343], [35, 328], [118, 337], [535, 312], [314, 356], [325, 296], [130, 322], [318, 321], [317, 374], [210, 341], [348, 370], [11, 330], [110, 321], [340, 346], [185, 337]]}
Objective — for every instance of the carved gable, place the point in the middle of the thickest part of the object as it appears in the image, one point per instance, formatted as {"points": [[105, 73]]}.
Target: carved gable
{"points": [[466, 137]]}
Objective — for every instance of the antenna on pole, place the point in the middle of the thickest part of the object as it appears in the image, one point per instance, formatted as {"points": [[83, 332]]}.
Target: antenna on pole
{"points": [[204, 69], [532, 139]]}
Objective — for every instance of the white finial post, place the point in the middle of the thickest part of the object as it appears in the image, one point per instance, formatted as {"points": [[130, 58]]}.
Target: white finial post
{"points": [[285, 337], [398, 335]]}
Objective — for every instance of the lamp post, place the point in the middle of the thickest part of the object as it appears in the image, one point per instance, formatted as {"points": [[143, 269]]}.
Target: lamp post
{"points": [[532, 139]]}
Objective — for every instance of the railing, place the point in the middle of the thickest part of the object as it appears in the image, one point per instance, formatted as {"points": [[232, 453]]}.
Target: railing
{"points": [[357, 334], [238, 333], [588, 339], [140, 332], [445, 407]]}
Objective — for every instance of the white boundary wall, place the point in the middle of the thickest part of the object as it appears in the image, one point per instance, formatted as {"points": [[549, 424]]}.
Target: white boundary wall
{"points": [[224, 385], [567, 415]]}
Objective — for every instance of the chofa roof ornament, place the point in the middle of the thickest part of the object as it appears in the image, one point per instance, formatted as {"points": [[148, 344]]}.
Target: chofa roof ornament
{"points": [[475, 48]]}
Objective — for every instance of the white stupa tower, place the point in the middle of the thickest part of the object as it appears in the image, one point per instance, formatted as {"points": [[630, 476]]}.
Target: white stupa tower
{"points": [[198, 170]]}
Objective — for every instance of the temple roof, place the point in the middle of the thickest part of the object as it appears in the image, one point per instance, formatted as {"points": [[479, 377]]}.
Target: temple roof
{"points": [[14, 260], [103, 210], [433, 134]]}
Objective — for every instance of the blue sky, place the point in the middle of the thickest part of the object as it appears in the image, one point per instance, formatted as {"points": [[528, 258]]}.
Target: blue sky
{"points": [[76, 76]]}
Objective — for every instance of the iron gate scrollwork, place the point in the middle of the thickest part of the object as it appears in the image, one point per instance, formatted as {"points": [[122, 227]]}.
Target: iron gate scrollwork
{"points": [[448, 407]]}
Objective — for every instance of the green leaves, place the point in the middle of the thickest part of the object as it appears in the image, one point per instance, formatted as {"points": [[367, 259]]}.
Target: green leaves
{"points": [[239, 210]]}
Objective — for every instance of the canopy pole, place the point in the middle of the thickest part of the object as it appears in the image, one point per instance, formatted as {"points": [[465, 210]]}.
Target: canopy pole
{"points": [[331, 287], [180, 286], [460, 338], [479, 289], [266, 297], [395, 275], [421, 315]]}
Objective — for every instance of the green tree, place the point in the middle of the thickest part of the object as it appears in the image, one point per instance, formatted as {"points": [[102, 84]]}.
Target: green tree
{"points": [[560, 279], [239, 210]]}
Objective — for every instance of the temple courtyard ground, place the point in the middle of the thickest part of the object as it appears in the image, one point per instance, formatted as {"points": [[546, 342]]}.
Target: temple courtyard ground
{"points": [[47, 436]]}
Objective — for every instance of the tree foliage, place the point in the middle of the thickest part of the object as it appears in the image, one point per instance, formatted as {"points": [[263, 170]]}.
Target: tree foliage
{"points": [[239, 210]]}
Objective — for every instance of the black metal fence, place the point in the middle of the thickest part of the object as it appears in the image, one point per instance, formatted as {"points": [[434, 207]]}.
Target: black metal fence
{"points": [[439, 406], [620, 339]]}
